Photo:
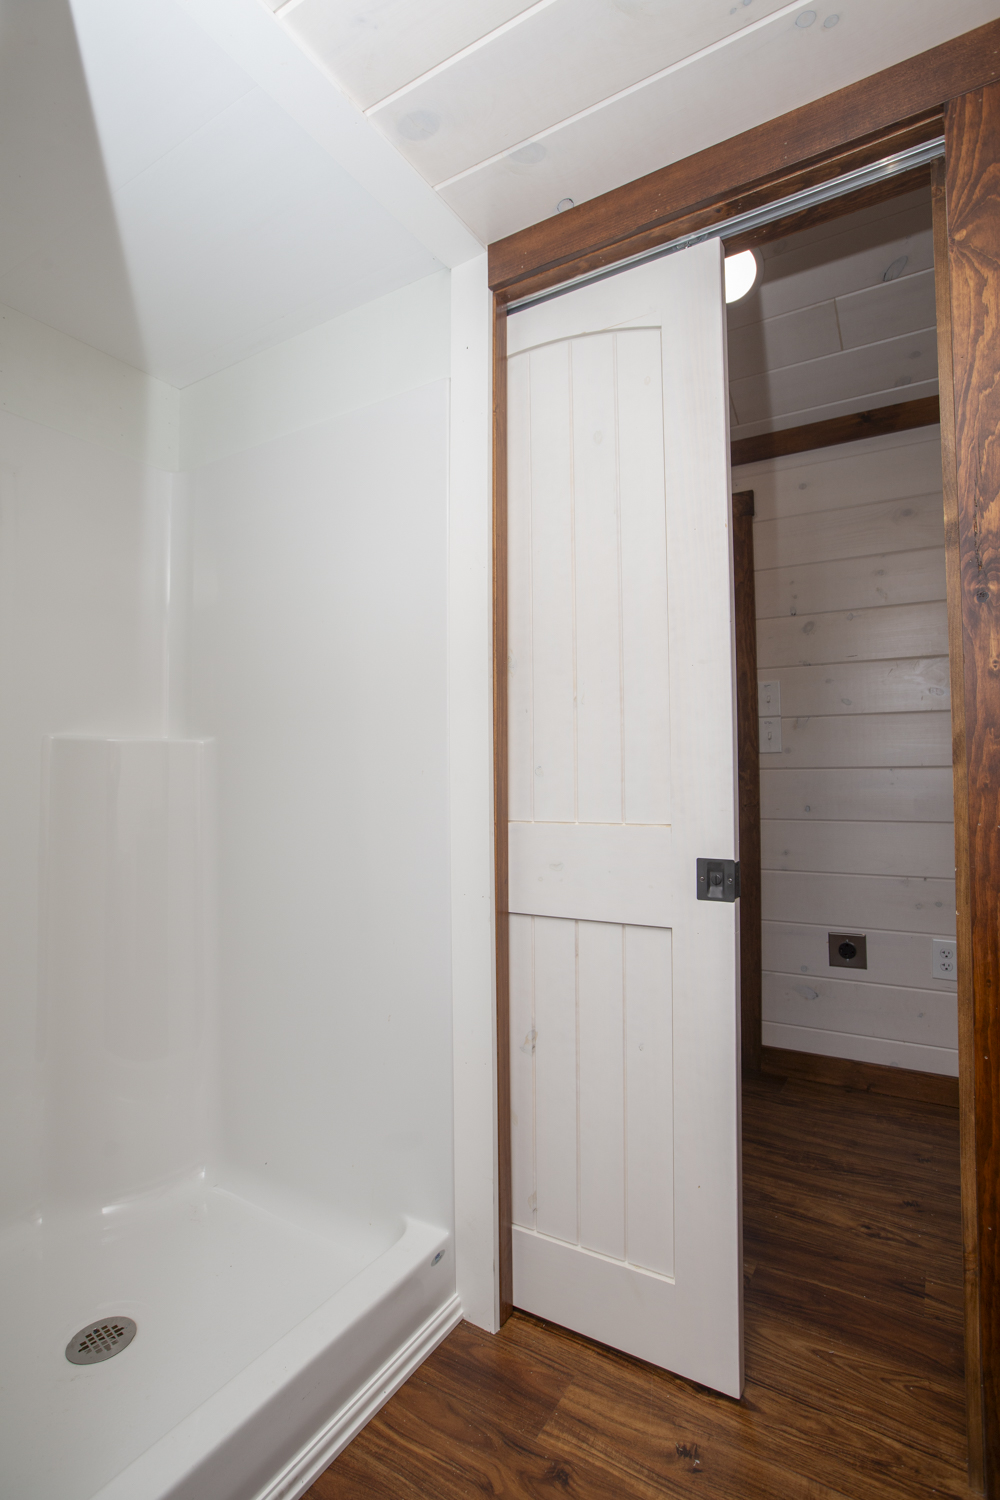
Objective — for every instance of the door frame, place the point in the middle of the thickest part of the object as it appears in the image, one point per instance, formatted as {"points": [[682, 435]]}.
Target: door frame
{"points": [[954, 88]]}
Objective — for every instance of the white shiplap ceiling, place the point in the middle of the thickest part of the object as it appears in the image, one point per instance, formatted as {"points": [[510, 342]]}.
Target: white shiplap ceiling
{"points": [[841, 319], [506, 109]]}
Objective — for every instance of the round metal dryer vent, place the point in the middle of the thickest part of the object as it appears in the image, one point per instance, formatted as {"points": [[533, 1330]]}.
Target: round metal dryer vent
{"points": [[100, 1341]]}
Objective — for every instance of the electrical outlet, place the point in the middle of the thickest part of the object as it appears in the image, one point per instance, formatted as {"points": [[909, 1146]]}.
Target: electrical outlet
{"points": [[769, 700], [770, 736], [944, 958]]}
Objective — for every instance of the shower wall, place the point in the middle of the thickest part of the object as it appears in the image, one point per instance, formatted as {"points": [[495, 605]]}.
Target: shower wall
{"points": [[87, 446], [223, 665], [315, 509]]}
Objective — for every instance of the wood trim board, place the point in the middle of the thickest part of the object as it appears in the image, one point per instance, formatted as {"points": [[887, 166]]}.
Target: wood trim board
{"points": [[901, 417], [956, 656], [870, 1078], [972, 130], [748, 779], [822, 140]]}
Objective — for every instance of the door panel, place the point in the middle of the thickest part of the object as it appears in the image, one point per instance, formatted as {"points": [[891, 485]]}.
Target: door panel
{"points": [[624, 1005]]}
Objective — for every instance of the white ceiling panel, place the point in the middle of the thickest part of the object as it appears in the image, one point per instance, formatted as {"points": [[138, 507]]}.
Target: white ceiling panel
{"points": [[891, 365], [823, 333], [754, 76], [887, 310], [557, 60], [374, 47], [807, 333], [847, 261]]}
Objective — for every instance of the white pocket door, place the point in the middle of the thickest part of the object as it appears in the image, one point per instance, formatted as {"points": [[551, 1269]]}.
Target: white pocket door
{"points": [[622, 764]]}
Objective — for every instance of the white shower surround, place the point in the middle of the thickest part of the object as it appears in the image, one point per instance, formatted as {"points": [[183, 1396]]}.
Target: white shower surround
{"points": [[287, 1265]]}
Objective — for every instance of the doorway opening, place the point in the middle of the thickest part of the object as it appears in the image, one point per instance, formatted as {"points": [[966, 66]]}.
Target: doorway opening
{"points": [[850, 1012]]}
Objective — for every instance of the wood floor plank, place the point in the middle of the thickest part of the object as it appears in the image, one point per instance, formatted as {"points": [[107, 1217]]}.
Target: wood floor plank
{"points": [[853, 1276]]}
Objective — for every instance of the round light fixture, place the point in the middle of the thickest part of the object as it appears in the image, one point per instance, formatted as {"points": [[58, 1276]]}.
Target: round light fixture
{"points": [[830, 22], [564, 204], [805, 18], [741, 273]]}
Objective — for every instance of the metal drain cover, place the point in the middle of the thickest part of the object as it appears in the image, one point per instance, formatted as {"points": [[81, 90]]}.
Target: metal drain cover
{"points": [[100, 1341]]}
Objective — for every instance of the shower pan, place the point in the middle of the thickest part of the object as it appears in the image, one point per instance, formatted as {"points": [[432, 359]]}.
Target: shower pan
{"points": [[182, 1328]]}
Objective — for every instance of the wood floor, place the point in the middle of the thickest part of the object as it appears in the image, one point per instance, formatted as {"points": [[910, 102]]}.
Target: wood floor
{"points": [[853, 1346]]}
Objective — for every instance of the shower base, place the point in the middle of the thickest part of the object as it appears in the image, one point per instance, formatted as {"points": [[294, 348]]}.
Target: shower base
{"points": [[263, 1345]]}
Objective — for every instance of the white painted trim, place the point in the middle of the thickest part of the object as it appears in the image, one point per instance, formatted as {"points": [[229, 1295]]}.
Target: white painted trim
{"points": [[333, 1438], [470, 731]]}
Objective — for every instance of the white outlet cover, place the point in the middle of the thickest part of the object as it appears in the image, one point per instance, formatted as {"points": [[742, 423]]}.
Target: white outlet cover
{"points": [[769, 699], [944, 958], [770, 736]]}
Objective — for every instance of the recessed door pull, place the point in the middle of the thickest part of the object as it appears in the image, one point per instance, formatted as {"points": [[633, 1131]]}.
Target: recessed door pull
{"points": [[718, 879]]}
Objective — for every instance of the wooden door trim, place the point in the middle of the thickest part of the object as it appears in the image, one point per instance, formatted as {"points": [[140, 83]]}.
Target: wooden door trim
{"points": [[823, 139], [968, 226], [816, 140]]}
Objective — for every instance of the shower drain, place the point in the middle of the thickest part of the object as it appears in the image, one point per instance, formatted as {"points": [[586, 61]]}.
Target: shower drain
{"points": [[100, 1341]]}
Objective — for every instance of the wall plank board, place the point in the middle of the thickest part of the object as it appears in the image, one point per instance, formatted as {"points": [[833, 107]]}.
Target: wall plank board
{"points": [[854, 583], [912, 794], [885, 687], [887, 1053], [855, 1006], [899, 959], [920, 739], [896, 630], [857, 531], [894, 467], [920, 794], [859, 848], [898, 903]]}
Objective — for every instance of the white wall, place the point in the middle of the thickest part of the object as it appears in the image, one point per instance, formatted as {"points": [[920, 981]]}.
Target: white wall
{"points": [[316, 658], [85, 446], [856, 810]]}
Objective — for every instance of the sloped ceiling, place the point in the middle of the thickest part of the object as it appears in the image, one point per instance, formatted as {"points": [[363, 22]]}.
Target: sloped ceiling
{"points": [[181, 187], [841, 319], [507, 109]]}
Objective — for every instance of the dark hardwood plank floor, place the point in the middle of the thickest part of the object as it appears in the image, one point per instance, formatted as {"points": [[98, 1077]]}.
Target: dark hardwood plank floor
{"points": [[853, 1272]]}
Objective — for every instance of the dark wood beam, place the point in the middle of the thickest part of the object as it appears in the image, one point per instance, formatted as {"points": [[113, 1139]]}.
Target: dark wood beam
{"points": [[973, 225], [924, 412], [869, 119]]}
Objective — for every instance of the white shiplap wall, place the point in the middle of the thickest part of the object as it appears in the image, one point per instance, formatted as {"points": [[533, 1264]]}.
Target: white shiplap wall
{"points": [[856, 809]]}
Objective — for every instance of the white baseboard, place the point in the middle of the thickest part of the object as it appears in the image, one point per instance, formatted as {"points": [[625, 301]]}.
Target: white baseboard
{"points": [[317, 1455]]}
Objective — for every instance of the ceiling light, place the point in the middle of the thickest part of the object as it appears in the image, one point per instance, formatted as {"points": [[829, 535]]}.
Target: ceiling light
{"points": [[830, 22], [897, 268], [805, 18], [564, 204], [741, 273]]}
